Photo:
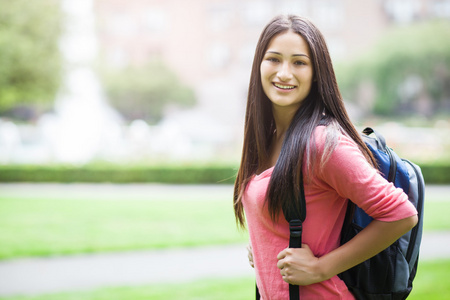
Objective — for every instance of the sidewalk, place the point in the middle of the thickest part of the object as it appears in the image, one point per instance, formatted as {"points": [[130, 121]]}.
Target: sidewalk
{"points": [[84, 272]]}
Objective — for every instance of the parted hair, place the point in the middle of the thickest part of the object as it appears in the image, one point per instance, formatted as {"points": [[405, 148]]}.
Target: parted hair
{"points": [[323, 105]]}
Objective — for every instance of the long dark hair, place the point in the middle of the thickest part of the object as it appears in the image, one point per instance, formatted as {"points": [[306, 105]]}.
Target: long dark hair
{"points": [[323, 104]]}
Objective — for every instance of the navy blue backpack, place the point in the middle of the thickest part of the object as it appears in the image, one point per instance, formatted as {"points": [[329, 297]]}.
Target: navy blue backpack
{"points": [[389, 274]]}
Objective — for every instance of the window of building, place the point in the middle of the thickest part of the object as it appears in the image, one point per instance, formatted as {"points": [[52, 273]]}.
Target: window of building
{"points": [[220, 17], [122, 25], [219, 55], [155, 20], [441, 8], [336, 47], [246, 54], [296, 7], [330, 14], [403, 11], [256, 13]]}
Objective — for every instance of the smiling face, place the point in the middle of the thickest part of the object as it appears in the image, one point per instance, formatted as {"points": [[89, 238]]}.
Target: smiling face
{"points": [[286, 71]]}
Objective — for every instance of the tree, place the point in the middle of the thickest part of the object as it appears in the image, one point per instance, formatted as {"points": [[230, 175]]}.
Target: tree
{"points": [[143, 92], [409, 68], [30, 62]]}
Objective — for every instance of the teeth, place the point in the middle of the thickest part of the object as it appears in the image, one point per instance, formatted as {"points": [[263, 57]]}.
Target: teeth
{"points": [[284, 87]]}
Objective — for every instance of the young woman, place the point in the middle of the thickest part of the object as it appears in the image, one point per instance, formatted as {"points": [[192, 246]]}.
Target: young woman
{"points": [[296, 124]]}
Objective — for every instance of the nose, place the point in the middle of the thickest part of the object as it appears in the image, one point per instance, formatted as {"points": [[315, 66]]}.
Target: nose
{"points": [[284, 73]]}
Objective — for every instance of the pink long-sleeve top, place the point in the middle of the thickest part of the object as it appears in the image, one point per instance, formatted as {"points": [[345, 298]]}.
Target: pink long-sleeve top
{"points": [[345, 175]]}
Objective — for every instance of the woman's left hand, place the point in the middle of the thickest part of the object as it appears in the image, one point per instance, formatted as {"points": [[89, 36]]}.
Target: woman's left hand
{"points": [[299, 266]]}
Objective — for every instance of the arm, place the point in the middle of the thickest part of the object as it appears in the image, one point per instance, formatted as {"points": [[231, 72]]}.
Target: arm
{"points": [[351, 177], [300, 267]]}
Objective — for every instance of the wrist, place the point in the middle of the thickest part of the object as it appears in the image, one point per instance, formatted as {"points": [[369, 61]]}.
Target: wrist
{"points": [[323, 269]]}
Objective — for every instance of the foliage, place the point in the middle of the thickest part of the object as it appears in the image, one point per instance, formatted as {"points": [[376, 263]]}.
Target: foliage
{"points": [[434, 172], [409, 69], [437, 173], [30, 62], [118, 174], [143, 92]]}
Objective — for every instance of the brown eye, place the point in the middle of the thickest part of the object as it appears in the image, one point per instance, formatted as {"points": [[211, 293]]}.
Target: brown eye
{"points": [[273, 59]]}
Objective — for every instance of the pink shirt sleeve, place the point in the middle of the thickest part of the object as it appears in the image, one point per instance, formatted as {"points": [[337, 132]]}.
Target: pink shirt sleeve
{"points": [[352, 177]]}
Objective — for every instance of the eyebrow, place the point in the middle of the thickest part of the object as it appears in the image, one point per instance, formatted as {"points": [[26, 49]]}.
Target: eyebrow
{"points": [[278, 53]]}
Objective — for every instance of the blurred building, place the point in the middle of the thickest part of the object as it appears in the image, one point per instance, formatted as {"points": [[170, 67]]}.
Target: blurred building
{"points": [[210, 43]]}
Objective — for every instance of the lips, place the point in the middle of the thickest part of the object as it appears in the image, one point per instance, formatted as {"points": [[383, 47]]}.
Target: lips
{"points": [[284, 87]]}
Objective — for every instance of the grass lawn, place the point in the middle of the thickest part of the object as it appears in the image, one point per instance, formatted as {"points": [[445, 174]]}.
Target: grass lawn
{"points": [[69, 221], [211, 289], [431, 283], [436, 215], [40, 220]]}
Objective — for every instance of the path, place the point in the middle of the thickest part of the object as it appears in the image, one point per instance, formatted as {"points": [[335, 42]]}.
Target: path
{"points": [[83, 272]]}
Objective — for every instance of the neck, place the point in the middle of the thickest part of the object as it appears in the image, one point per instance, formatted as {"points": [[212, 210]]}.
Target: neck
{"points": [[283, 118]]}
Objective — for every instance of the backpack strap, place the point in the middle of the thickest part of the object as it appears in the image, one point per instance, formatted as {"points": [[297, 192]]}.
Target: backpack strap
{"points": [[382, 145], [296, 219], [295, 241]]}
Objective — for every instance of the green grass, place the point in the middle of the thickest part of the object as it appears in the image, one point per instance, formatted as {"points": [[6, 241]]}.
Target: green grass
{"points": [[43, 220], [431, 283], [66, 222], [436, 215], [210, 289]]}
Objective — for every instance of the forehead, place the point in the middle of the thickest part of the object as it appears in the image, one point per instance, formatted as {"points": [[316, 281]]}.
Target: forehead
{"points": [[289, 42]]}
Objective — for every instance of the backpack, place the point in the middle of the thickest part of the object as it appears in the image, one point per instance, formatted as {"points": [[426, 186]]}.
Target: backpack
{"points": [[390, 273]]}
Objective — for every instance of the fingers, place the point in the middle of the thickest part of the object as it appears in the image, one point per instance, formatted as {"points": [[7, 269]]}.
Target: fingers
{"points": [[282, 258], [250, 261], [282, 254], [289, 255], [286, 274], [250, 255], [280, 264]]}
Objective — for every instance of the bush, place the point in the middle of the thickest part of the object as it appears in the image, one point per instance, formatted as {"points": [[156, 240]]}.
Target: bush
{"points": [[119, 174], [434, 173]]}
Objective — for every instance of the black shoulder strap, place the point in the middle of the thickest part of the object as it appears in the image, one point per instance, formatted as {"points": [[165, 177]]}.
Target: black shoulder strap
{"points": [[296, 220]]}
